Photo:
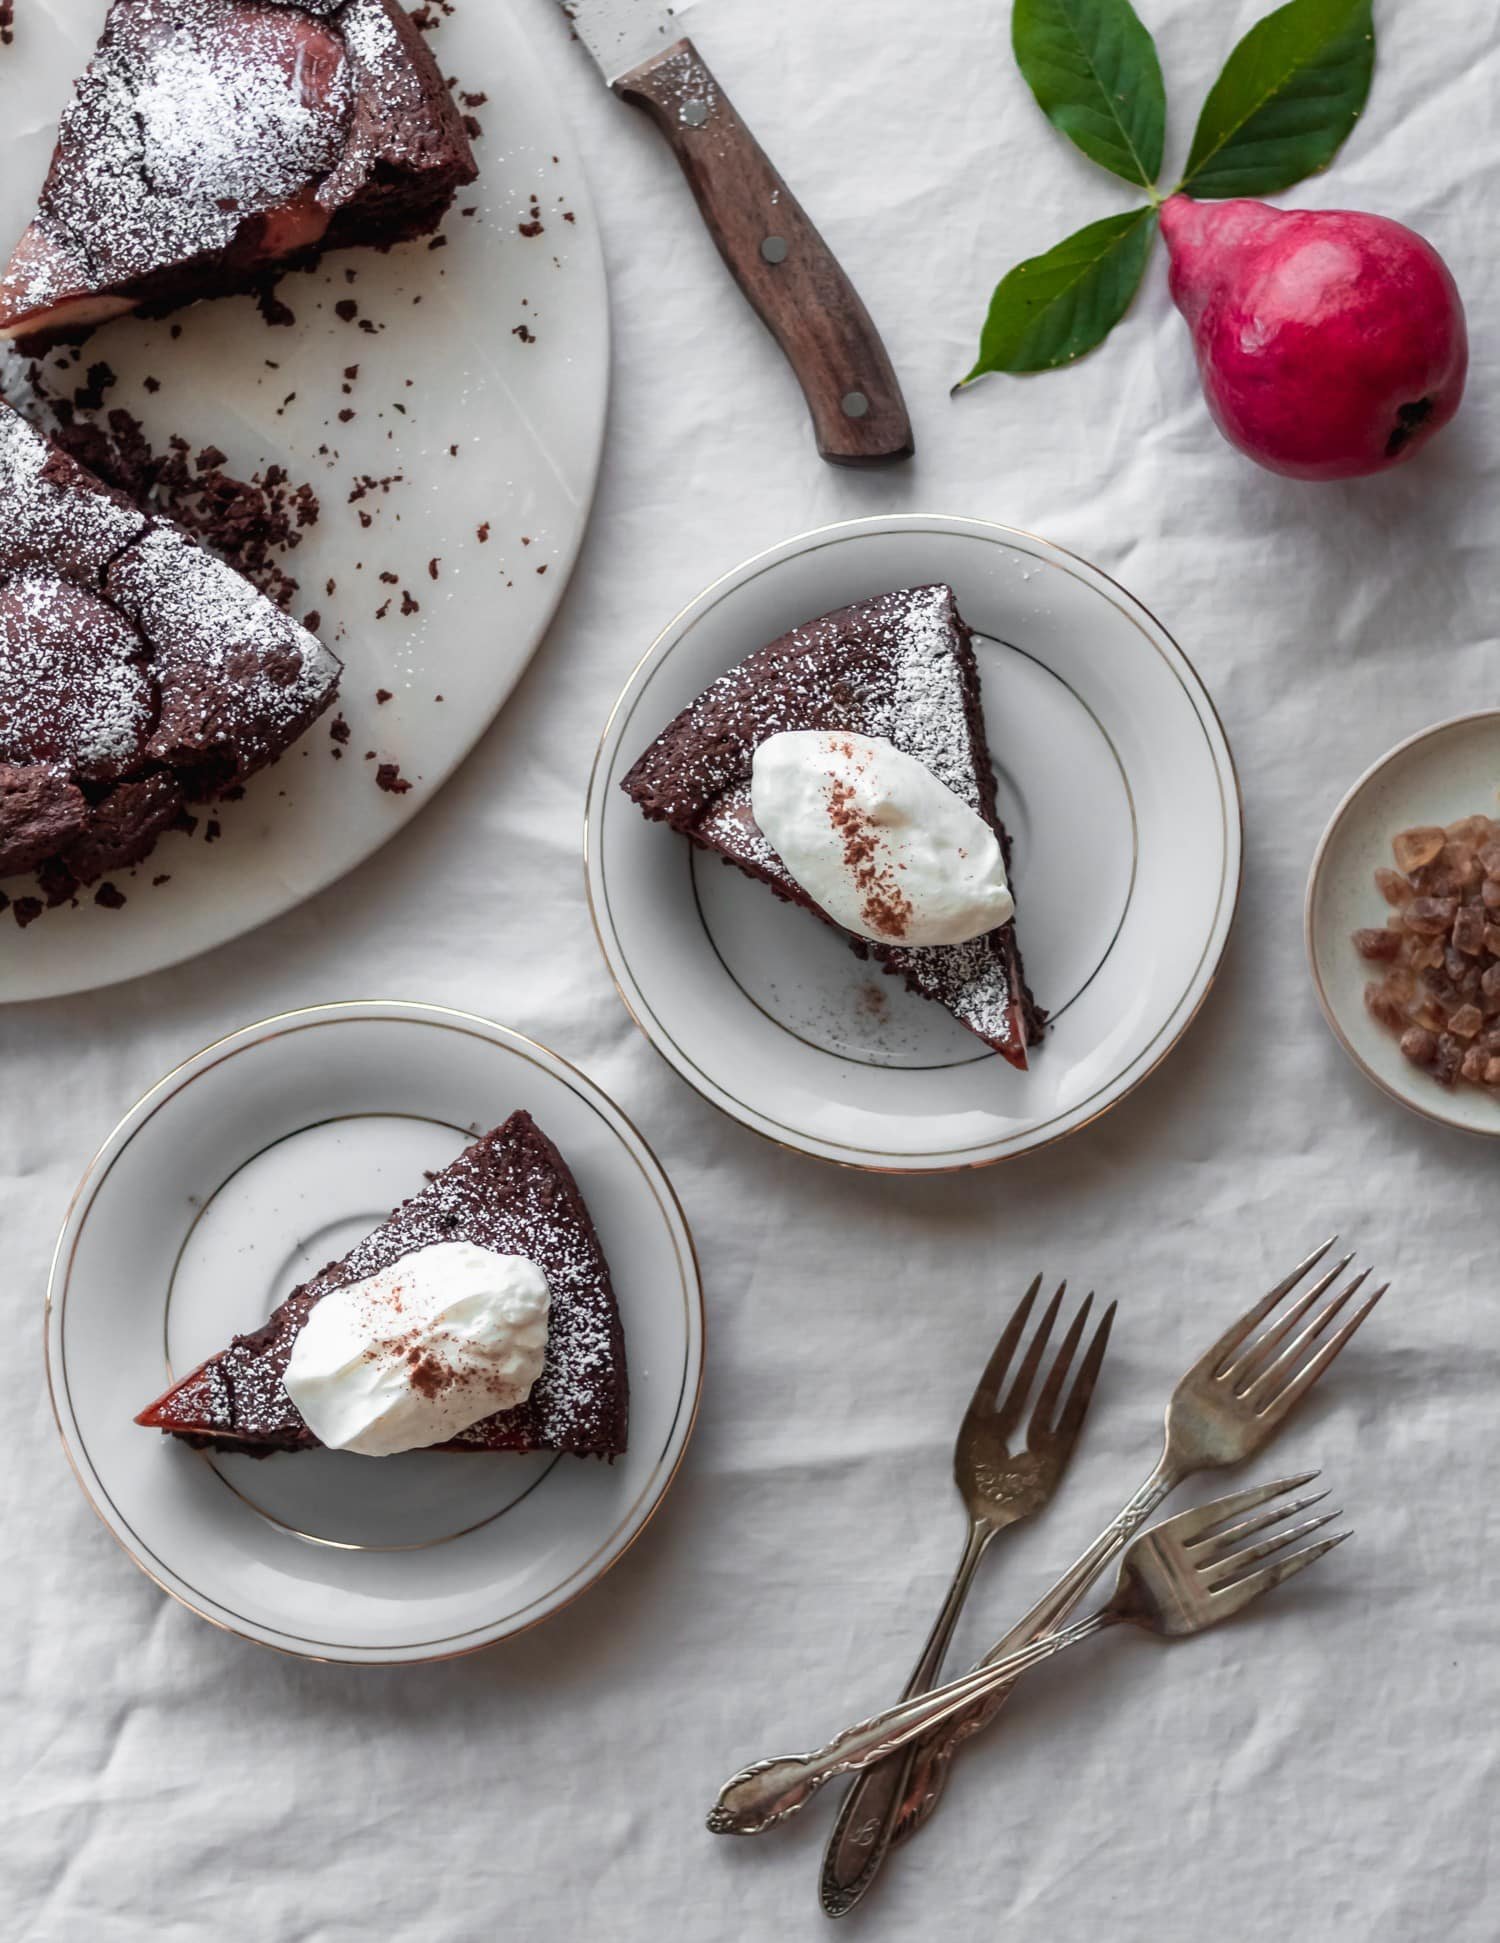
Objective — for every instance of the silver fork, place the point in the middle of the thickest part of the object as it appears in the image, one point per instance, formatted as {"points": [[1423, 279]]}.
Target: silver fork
{"points": [[1177, 1579], [998, 1487], [1224, 1411]]}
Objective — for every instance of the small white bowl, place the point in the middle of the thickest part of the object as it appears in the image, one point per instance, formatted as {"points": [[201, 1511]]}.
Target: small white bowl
{"points": [[1449, 771]]}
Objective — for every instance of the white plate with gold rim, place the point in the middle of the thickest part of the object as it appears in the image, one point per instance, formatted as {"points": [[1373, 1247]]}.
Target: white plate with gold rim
{"points": [[1119, 790], [478, 410], [1438, 776], [255, 1162]]}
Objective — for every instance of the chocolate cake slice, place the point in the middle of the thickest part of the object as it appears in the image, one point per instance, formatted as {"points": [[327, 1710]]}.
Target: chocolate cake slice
{"points": [[212, 144], [137, 672], [900, 666], [511, 1192]]}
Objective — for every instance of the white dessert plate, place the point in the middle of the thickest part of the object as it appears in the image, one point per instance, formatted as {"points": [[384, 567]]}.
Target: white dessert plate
{"points": [[1118, 788], [1440, 775], [243, 1171], [478, 409]]}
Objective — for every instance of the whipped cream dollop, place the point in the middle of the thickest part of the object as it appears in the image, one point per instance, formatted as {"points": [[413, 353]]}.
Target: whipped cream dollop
{"points": [[416, 1353], [876, 840]]}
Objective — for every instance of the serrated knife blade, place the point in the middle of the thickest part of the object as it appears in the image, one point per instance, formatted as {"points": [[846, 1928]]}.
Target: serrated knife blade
{"points": [[781, 263]]}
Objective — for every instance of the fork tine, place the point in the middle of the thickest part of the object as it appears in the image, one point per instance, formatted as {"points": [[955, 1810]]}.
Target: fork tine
{"points": [[1234, 1598], [1261, 1346], [1216, 1544], [988, 1386], [1226, 1571], [1014, 1400], [1291, 1358], [1305, 1378], [1205, 1518], [1074, 1409], [1045, 1407], [1252, 1318]]}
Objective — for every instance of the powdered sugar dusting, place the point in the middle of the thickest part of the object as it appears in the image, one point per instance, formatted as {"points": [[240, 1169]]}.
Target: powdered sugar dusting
{"points": [[73, 690], [231, 667], [46, 522], [895, 666], [506, 1193], [224, 118], [370, 36], [179, 131], [924, 714], [128, 657]]}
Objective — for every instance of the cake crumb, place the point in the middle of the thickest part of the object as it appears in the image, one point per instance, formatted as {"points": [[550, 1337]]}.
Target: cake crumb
{"points": [[276, 313]]}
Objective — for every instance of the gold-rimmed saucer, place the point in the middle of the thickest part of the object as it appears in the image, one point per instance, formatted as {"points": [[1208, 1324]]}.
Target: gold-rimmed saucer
{"points": [[1117, 783], [262, 1157]]}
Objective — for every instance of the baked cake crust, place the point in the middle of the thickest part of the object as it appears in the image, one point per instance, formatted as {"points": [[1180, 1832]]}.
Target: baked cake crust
{"points": [[212, 144], [513, 1192], [137, 672], [900, 666]]}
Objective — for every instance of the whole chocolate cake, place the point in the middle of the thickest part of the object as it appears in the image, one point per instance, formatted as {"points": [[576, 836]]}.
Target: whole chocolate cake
{"points": [[137, 672], [211, 144], [511, 1192], [900, 666]]}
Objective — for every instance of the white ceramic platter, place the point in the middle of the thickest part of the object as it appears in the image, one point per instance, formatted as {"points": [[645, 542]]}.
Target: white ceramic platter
{"points": [[246, 1169], [497, 345], [1439, 776], [1119, 791]]}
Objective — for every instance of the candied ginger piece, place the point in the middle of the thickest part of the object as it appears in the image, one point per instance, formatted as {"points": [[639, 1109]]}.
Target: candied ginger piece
{"points": [[1419, 1045], [1413, 848], [1379, 945], [1431, 916]]}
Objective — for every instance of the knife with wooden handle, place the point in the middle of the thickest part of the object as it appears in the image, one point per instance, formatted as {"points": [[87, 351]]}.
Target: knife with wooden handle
{"points": [[764, 235]]}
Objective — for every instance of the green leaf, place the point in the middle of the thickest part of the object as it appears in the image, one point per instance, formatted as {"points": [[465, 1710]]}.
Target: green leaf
{"points": [[1050, 309], [1289, 94], [1093, 69]]}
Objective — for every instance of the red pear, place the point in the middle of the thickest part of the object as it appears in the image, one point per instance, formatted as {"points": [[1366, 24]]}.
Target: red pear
{"points": [[1330, 343]]}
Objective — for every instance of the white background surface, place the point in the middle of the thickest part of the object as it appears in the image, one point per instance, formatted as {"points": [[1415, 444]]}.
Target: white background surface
{"points": [[1326, 1770]]}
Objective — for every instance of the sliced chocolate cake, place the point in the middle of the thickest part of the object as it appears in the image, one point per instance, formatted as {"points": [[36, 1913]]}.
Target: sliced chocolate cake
{"points": [[212, 144], [899, 667], [511, 1192], [137, 672]]}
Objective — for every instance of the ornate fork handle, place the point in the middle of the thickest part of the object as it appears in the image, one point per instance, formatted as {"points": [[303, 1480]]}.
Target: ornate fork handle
{"points": [[930, 1770], [870, 1811], [770, 1791]]}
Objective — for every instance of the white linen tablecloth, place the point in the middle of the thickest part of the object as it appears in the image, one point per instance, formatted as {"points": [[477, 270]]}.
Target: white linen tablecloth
{"points": [[1323, 1771]]}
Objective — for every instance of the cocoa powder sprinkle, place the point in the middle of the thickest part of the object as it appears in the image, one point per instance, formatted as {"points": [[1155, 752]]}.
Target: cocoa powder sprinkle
{"points": [[883, 904]]}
